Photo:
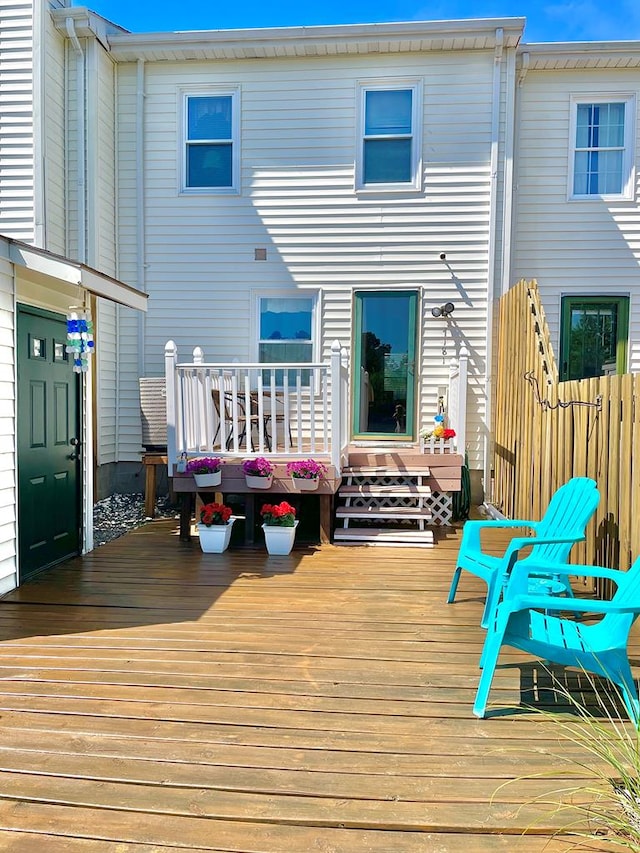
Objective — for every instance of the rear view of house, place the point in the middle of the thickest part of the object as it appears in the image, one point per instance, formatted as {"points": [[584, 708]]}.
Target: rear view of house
{"points": [[289, 196]]}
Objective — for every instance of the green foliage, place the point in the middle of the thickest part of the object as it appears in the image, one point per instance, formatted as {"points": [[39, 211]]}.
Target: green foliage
{"points": [[604, 804]]}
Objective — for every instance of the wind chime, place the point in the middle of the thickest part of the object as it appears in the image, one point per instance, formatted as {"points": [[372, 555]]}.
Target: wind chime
{"points": [[80, 337]]}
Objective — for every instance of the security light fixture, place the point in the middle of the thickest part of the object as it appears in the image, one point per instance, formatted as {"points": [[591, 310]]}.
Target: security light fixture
{"points": [[443, 310]]}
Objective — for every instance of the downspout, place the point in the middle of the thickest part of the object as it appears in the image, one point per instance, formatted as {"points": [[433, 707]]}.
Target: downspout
{"points": [[87, 384], [493, 221], [81, 168], [509, 166], [140, 208], [116, 223], [524, 68]]}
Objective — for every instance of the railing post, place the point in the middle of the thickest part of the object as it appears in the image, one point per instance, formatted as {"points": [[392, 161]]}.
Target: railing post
{"points": [[200, 428], [344, 399], [170, 377], [461, 399], [336, 406]]}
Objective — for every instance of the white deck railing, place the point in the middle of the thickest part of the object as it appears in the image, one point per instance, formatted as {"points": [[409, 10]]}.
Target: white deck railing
{"points": [[457, 398], [232, 409]]}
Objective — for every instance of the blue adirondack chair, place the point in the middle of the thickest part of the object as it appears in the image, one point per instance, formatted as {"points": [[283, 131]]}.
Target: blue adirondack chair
{"points": [[524, 621], [562, 526]]}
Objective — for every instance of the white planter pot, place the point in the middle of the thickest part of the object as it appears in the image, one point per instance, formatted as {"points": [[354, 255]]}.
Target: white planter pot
{"points": [[302, 485], [204, 481], [279, 539], [259, 482], [215, 539]]}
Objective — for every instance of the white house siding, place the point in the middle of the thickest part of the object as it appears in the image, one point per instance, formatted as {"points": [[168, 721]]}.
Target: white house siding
{"points": [[101, 235], [298, 202], [53, 109], [130, 235], [572, 247], [16, 119], [8, 546]]}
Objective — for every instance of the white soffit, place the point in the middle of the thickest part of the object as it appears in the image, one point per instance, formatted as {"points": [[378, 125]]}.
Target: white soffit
{"points": [[413, 36], [576, 55], [70, 272]]}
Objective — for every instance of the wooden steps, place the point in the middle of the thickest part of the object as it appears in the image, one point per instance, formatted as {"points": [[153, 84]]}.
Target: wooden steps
{"points": [[383, 512], [382, 490], [392, 495]]}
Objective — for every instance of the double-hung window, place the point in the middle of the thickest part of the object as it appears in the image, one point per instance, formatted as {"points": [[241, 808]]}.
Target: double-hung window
{"points": [[211, 142], [287, 333], [602, 156], [593, 336], [389, 136]]}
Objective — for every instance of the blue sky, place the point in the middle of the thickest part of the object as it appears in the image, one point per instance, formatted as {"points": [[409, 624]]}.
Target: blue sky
{"points": [[555, 20]]}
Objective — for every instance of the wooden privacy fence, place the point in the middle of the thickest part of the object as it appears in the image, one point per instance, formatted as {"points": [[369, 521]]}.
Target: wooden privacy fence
{"points": [[548, 431]]}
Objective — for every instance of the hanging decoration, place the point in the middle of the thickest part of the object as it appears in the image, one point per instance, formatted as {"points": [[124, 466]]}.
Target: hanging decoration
{"points": [[80, 338]]}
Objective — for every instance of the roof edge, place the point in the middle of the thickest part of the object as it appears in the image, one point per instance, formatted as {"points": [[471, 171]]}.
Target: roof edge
{"points": [[512, 29]]}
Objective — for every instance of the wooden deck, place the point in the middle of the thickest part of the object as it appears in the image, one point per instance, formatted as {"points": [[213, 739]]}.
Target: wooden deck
{"points": [[153, 698]]}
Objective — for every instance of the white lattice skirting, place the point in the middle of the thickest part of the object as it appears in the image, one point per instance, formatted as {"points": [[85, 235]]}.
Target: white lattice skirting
{"points": [[439, 503], [441, 508]]}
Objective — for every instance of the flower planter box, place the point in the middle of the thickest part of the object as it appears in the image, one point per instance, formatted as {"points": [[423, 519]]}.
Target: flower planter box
{"points": [[303, 485], [259, 482], [215, 538], [279, 540], [205, 481]]}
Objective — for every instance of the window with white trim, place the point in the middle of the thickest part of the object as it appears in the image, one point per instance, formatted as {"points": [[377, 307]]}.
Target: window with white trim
{"points": [[211, 142], [389, 136], [602, 139], [286, 332]]}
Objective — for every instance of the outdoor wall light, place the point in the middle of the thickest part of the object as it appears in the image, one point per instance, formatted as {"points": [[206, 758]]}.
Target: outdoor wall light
{"points": [[445, 310]]}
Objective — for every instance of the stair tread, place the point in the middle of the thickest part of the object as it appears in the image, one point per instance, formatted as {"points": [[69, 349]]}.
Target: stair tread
{"points": [[375, 533], [381, 543], [383, 512], [384, 490], [384, 471]]}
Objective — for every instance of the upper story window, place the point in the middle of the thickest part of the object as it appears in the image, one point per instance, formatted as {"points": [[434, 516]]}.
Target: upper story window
{"points": [[602, 156], [389, 137], [211, 142]]}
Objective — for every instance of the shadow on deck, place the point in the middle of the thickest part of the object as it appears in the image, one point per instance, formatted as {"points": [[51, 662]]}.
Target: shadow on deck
{"points": [[154, 698]]}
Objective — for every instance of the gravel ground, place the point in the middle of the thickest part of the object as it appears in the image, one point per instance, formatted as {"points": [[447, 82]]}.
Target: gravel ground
{"points": [[117, 514]]}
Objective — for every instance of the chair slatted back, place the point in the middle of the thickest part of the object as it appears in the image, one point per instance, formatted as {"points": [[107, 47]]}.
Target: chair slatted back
{"points": [[567, 515]]}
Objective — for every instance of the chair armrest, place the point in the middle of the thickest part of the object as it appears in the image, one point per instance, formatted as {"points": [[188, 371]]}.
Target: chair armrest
{"points": [[472, 529], [573, 605], [521, 572], [532, 568], [511, 555]]}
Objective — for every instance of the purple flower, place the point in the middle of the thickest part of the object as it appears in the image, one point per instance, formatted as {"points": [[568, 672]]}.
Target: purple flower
{"points": [[204, 465], [307, 469], [258, 467]]}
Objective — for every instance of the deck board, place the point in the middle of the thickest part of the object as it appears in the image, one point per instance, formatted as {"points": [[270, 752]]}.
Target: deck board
{"points": [[153, 698]]}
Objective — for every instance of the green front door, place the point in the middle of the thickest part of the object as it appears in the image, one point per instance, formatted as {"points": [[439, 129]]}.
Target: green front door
{"points": [[384, 365], [48, 443]]}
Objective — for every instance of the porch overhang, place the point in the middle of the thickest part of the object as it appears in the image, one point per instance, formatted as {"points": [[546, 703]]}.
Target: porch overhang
{"points": [[41, 262]]}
